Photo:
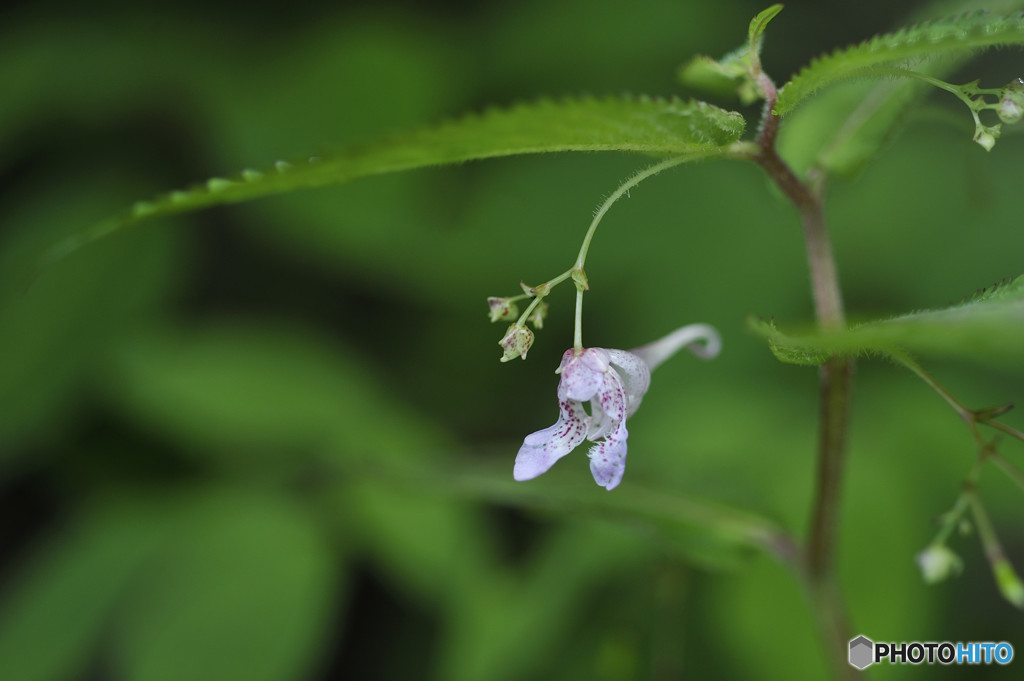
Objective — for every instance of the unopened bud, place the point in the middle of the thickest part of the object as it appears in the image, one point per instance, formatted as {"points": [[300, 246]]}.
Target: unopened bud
{"points": [[516, 343], [937, 562], [537, 316], [1011, 102], [986, 136], [1009, 582], [502, 308], [538, 291]]}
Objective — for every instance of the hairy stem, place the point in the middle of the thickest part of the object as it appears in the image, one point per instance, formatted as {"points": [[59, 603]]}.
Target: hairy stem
{"points": [[835, 395], [819, 567], [623, 190]]}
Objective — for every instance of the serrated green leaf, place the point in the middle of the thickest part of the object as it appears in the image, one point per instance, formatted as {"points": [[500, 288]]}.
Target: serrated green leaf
{"points": [[841, 130], [965, 33], [757, 26], [787, 349], [987, 328], [873, 120], [735, 73], [643, 125]]}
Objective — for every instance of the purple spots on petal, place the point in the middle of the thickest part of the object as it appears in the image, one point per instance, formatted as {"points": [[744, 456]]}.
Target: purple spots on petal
{"points": [[608, 460], [595, 376]]}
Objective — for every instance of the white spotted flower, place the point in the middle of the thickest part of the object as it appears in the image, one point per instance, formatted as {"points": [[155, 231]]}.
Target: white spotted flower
{"points": [[614, 382]]}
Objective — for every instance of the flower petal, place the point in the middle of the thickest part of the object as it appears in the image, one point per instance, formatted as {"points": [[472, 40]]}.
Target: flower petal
{"points": [[700, 339], [608, 406], [543, 448], [635, 374], [582, 375], [608, 458]]}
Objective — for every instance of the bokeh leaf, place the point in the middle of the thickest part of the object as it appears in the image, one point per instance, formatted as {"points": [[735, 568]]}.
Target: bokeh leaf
{"points": [[54, 610], [498, 632], [89, 300], [935, 39], [242, 589], [430, 544], [710, 534], [256, 398], [242, 390], [987, 328]]}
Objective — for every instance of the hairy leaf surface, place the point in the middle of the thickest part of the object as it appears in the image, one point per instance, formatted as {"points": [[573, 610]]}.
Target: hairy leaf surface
{"points": [[988, 328], [967, 32]]}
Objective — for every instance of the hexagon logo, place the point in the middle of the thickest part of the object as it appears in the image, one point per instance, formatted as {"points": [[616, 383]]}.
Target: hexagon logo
{"points": [[862, 651]]}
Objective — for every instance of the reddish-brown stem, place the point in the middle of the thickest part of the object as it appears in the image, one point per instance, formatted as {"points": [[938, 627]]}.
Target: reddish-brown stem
{"points": [[835, 375]]}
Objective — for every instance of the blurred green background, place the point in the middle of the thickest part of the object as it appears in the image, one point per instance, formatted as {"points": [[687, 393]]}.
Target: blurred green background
{"points": [[273, 442]]}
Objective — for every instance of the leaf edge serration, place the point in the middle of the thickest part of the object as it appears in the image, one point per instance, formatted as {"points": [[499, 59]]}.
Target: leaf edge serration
{"points": [[969, 31]]}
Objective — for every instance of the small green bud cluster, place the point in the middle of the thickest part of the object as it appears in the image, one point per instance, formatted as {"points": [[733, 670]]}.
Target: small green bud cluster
{"points": [[518, 338], [1009, 107], [502, 308], [986, 135]]}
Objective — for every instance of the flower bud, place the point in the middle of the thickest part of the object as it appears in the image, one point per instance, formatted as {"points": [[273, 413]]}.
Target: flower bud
{"points": [[537, 316], [986, 136], [937, 563], [502, 308], [1011, 102], [538, 291], [516, 343], [1009, 582]]}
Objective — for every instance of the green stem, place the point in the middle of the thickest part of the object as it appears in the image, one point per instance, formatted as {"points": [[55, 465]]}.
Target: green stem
{"points": [[541, 292], [578, 335], [1007, 579], [1011, 471], [962, 411], [1012, 432], [972, 419], [989, 540], [623, 189], [957, 90], [576, 271], [951, 518], [529, 310]]}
